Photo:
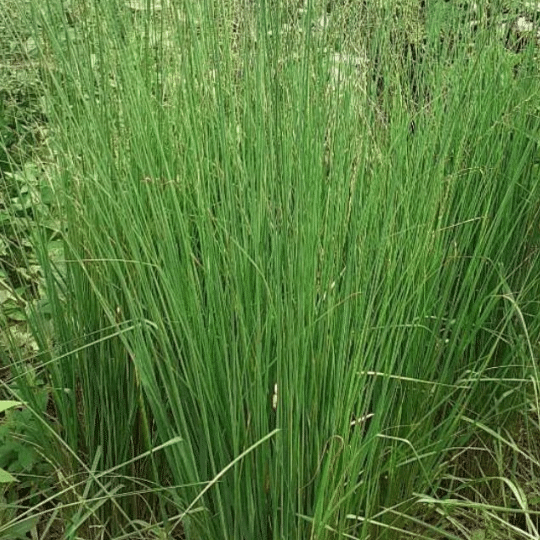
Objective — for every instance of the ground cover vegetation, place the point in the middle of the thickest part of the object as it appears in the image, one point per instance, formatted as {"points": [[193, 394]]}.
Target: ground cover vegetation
{"points": [[269, 270]]}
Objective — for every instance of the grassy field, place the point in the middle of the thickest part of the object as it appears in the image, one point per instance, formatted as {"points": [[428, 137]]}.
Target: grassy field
{"points": [[282, 273]]}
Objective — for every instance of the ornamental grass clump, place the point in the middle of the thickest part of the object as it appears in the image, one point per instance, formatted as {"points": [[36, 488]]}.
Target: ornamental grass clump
{"points": [[341, 278]]}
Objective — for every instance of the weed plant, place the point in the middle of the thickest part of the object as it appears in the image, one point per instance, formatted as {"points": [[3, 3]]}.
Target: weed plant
{"points": [[336, 273]]}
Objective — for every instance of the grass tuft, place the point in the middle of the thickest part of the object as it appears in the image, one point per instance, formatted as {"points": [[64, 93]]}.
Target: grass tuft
{"points": [[310, 259]]}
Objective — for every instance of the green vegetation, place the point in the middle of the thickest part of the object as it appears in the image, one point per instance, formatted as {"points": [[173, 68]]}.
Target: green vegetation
{"points": [[279, 267]]}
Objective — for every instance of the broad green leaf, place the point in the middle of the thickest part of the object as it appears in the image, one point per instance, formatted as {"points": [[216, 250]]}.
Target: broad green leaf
{"points": [[20, 530], [26, 457], [6, 478], [5, 405]]}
